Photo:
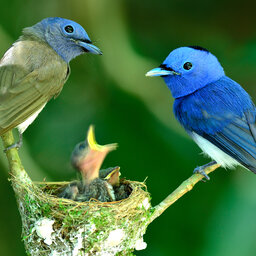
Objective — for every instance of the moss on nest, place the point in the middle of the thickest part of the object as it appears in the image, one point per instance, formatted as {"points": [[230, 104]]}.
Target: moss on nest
{"points": [[57, 226]]}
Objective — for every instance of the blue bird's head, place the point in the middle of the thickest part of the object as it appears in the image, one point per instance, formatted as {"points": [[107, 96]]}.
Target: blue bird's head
{"points": [[66, 37], [187, 69]]}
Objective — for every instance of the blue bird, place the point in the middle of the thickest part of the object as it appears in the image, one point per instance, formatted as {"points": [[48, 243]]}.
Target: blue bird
{"points": [[215, 110], [35, 69]]}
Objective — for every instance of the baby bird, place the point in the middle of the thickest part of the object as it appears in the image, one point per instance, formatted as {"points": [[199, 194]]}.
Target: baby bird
{"points": [[111, 175], [87, 157], [97, 189], [70, 191]]}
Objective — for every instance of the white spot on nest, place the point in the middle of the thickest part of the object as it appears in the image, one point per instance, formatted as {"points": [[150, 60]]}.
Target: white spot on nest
{"points": [[115, 237], [54, 253], [145, 204], [79, 244], [140, 244], [92, 228], [44, 229]]}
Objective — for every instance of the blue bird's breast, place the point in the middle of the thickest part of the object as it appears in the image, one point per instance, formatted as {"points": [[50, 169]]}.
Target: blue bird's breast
{"points": [[210, 109]]}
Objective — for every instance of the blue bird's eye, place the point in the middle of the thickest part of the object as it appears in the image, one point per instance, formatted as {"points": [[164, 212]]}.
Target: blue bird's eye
{"points": [[187, 65], [69, 29]]}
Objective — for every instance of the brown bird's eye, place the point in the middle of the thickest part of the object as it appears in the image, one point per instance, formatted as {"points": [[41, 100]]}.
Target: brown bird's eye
{"points": [[69, 29], [187, 65]]}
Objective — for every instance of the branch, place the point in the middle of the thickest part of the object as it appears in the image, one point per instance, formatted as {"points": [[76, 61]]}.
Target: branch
{"points": [[185, 187], [13, 158]]}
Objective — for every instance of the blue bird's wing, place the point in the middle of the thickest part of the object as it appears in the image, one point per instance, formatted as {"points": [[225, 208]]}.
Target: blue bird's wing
{"points": [[222, 113], [238, 140]]}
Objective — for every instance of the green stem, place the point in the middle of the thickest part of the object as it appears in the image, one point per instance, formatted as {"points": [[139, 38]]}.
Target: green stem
{"points": [[185, 187], [13, 158]]}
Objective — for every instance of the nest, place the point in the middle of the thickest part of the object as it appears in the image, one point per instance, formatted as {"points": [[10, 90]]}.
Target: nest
{"points": [[56, 226]]}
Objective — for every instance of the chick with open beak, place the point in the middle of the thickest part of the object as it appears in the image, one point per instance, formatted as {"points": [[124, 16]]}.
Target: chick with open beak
{"points": [[87, 157]]}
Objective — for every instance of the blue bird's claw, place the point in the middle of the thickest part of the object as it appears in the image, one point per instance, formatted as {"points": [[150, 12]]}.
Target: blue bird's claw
{"points": [[200, 170]]}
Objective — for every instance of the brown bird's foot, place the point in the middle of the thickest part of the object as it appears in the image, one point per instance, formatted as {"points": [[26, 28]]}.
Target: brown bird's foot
{"points": [[17, 145], [200, 169]]}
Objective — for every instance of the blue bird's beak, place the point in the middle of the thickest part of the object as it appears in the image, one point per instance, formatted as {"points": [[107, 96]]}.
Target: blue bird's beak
{"points": [[161, 72], [89, 47]]}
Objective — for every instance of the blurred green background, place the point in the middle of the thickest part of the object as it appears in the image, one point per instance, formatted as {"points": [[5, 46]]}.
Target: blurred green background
{"points": [[112, 92]]}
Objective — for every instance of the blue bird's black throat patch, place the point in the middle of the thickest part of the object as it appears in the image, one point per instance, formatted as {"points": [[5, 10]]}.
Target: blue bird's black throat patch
{"points": [[164, 66], [196, 47]]}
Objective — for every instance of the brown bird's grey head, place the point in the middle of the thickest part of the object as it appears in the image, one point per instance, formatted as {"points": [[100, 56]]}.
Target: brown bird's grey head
{"points": [[66, 37], [88, 156]]}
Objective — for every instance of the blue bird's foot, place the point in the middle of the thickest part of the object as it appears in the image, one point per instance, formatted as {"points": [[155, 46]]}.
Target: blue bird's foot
{"points": [[15, 145], [200, 169]]}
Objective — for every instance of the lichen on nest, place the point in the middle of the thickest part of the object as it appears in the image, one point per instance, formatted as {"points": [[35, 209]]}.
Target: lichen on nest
{"points": [[57, 226]]}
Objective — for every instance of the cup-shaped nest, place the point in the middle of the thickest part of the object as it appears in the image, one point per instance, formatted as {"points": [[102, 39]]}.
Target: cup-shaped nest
{"points": [[57, 226]]}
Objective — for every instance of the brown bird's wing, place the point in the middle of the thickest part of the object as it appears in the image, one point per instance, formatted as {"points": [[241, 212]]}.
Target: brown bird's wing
{"points": [[22, 93]]}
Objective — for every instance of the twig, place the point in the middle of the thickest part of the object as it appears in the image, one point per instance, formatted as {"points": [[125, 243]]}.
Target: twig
{"points": [[185, 187], [13, 158]]}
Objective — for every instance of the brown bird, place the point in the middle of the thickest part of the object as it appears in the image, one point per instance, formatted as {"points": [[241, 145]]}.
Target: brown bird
{"points": [[35, 69]]}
